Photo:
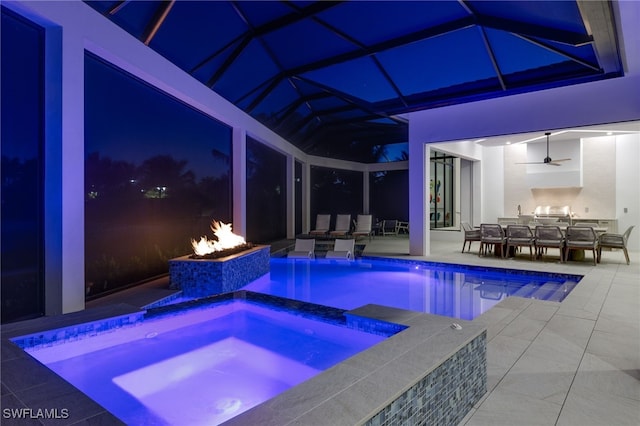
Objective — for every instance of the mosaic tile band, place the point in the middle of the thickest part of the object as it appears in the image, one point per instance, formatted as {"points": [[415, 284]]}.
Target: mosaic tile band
{"points": [[445, 395], [207, 277]]}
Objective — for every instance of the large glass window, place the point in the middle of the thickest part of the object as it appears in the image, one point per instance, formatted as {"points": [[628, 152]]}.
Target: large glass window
{"points": [[266, 193], [389, 194], [21, 195], [157, 172], [441, 196], [335, 191]]}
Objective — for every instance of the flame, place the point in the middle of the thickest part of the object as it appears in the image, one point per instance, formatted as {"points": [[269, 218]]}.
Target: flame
{"points": [[226, 240]]}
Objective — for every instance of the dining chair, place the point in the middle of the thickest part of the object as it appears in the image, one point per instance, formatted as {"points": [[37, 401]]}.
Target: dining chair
{"points": [[492, 235], [520, 236], [470, 235], [548, 236], [615, 241], [581, 238]]}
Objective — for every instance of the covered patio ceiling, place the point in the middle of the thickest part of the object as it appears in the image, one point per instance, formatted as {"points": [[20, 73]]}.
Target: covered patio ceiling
{"points": [[334, 78]]}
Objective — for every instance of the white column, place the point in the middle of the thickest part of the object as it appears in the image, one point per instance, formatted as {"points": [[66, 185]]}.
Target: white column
{"points": [[306, 197], [239, 175], [72, 173], [291, 196], [418, 195], [366, 203], [53, 173]]}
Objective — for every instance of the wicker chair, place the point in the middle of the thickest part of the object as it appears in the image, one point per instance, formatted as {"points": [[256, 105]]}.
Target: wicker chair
{"points": [[581, 238], [618, 241], [548, 236], [520, 236], [492, 235], [470, 235]]}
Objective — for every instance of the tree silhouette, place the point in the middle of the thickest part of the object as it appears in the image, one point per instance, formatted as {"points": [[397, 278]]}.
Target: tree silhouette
{"points": [[163, 176]]}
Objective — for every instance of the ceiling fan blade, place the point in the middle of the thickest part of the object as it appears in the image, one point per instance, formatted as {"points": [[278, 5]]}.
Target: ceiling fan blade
{"points": [[553, 163], [536, 162], [562, 159]]}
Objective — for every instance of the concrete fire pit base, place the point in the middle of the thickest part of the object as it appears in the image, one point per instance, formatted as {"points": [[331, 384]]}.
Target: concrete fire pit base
{"points": [[206, 277]]}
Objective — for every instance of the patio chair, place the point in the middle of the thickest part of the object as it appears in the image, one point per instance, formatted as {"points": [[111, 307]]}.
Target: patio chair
{"points": [[402, 227], [322, 225], [520, 236], [363, 226], [492, 235], [548, 236], [389, 227], [342, 249], [470, 235], [304, 249], [581, 238], [343, 226], [616, 241]]}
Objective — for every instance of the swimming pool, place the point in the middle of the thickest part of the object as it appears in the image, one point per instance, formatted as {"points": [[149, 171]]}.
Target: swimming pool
{"points": [[456, 291], [205, 364]]}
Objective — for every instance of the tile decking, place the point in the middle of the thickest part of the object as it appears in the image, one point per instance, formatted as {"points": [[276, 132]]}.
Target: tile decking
{"points": [[570, 363]]}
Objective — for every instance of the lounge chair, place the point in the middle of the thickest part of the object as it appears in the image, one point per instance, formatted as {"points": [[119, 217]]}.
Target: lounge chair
{"points": [[581, 238], [322, 225], [618, 241], [470, 235], [343, 226], [304, 249], [342, 249], [363, 226]]}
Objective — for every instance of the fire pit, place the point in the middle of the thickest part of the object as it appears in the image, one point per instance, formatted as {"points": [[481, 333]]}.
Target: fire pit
{"points": [[223, 253], [218, 266]]}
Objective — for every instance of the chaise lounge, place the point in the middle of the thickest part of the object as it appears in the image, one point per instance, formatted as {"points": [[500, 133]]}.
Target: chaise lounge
{"points": [[363, 226], [343, 226], [342, 249], [304, 249], [322, 226]]}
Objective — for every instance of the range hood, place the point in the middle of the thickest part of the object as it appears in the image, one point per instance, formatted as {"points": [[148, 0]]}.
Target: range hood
{"points": [[567, 175], [556, 179]]}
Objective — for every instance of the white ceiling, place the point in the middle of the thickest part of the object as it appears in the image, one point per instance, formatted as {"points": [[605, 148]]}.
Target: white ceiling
{"points": [[563, 134]]}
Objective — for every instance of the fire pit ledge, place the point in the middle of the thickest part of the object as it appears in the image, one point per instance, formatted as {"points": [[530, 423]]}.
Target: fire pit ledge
{"points": [[201, 277]]}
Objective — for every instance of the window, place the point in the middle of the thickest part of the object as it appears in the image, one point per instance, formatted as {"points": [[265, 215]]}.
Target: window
{"points": [[389, 194], [157, 172], [22, 168], [266, 193], [441, 191], [335, 191]]}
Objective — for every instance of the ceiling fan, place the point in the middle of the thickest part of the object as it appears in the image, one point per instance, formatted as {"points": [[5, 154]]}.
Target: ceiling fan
{"points": [[547, 159]]}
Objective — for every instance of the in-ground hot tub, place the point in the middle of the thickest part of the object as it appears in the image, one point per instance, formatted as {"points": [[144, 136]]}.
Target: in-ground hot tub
{"points": [[203, 363]]}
